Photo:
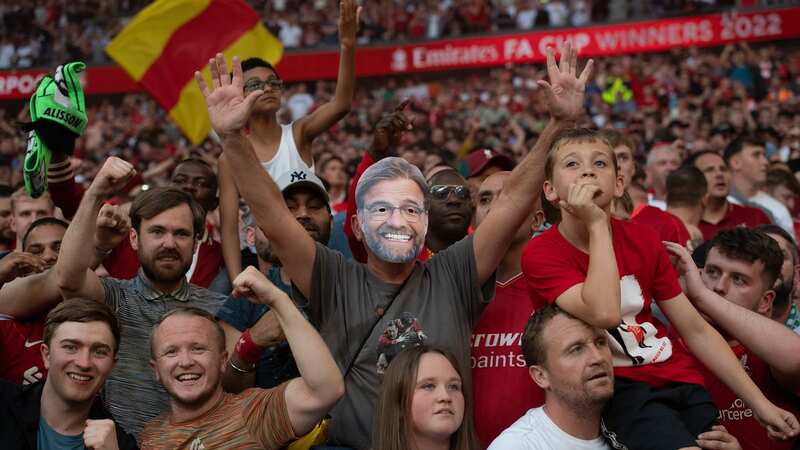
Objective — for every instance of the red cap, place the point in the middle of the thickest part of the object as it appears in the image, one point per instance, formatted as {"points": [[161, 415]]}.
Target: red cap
{"points": [[480, 158]]}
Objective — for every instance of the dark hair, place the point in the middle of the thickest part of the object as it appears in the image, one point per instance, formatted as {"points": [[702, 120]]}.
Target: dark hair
{"points": [[392, 427], [575, 135], [533, 337], [771, 228], [199, 162], [692, 159], [80, 310], [686, 187], [6, 191], [252, 63], [744, 244], [40, 223], [189, 311], [782, 177], [153, 202], [324, 163], [783, 289], [737, 145]]}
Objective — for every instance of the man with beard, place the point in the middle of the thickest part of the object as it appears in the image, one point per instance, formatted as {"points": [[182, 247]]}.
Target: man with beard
{"points": [[720, 214], [7, 235], [197, 178], [188, 357], [81, 340], [27, 279], [451, 211], [354, 303], [273, 363], [166, 225]]}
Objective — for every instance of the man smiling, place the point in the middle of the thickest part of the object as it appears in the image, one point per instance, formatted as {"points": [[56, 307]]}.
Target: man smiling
{"points": [[367, 312]]}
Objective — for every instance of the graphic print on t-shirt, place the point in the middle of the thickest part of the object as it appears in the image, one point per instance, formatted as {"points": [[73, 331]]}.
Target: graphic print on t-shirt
{"points": [[633, 343], [398, 334]]}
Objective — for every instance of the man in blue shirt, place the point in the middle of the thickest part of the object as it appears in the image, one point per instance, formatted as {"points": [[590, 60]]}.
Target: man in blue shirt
{"points": [[307, 199]]}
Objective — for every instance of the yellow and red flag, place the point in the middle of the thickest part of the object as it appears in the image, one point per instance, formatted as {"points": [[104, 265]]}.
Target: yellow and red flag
{"points": [[169, 40]]}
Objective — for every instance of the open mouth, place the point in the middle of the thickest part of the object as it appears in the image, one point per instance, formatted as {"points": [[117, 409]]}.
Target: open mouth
{"points": [[598, 376], [188, 378], [396, 237], [78, 378]]}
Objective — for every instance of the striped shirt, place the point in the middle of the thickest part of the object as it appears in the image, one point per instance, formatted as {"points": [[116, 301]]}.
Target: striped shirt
{"points": [[254, 419], [132, 394]]}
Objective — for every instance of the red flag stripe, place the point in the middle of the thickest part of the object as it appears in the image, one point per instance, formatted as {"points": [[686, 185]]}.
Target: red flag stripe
{"points": [[190, 47]]}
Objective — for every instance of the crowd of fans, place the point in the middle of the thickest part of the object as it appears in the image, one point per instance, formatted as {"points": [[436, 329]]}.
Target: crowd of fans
{"points": [[39, 33], [413, 262]]}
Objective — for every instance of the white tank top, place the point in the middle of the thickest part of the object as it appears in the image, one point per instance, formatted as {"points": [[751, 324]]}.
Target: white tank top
{"points": [[287, 157]]}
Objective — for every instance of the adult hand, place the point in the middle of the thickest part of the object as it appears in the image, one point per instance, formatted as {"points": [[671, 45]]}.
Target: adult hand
{"points": [[565, 92], [228, 108], [718, 438], [113, 226], [580, 203], [267, 331], [254, 286], [687, 269], [349, 16], [780, 424], [20, 264], [112, 177], [100, 435], [389, 131]]}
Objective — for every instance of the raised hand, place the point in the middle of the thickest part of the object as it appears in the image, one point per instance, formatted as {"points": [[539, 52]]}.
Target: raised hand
{"points": [[389, 131], [349, 16], [228, 108], [687, 269], [113, 225], [100, 435], [580, 203], [112, 177], [565, 92], [20, 264], [780, 424], [254, 286]]}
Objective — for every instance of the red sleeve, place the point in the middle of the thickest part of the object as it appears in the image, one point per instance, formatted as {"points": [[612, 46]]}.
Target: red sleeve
{"points": [[682, 233], [758, 217], [356, 247], [66, 195], [123, 262], [550, 269]]}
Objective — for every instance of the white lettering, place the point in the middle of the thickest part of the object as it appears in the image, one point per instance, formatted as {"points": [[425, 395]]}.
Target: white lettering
{"points": [[422, 57], [517, 49], [578, 40]]}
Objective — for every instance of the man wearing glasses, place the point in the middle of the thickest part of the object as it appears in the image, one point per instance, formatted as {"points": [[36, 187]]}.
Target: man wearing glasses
{"points": [[391, 300]]}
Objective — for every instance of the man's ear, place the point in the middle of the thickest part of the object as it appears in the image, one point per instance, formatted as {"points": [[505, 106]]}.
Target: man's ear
{"points": [[155, 370], [355, 225], [134, 238], [250, 234], [764, 306], [619, 186], [45, 351], [538, 220], [539, 376]]}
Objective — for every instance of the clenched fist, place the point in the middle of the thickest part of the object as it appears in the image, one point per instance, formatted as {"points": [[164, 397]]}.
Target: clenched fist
{"points": [[100, 435], [112, 177]]}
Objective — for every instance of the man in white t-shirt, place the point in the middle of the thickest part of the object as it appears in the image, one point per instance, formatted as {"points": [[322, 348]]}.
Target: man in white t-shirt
{"points": [[571, 361]]}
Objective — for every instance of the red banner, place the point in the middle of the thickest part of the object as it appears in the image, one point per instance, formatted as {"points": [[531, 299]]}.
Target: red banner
{"points": [[486, 51]]}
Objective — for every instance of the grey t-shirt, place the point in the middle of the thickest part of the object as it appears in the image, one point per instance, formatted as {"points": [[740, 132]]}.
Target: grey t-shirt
{"points": [[132, 394], [438, 304]]}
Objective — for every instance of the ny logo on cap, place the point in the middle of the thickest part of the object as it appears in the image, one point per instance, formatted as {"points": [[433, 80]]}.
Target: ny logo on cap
{"points": [[487, 154], [298, 176]]}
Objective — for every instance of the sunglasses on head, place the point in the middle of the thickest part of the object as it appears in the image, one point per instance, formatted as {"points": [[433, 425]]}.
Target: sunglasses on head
{"points": [[254, 84], [442, 191]]}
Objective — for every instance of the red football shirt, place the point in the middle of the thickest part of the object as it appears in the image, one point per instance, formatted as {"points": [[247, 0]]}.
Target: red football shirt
{"points": [[737, 417], [736, 216], [641, 347], [502, 389], [20, 345], [667, 226]]}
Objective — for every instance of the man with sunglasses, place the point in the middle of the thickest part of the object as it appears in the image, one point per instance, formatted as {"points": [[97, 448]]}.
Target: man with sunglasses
{"points": [[450, 213], [392, 299], [281, 148]]}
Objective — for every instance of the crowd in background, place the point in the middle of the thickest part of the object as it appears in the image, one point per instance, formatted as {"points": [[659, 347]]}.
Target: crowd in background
{"points": [[39, 33]]}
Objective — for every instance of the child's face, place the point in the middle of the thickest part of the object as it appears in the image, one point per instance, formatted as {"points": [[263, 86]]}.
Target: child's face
{"points": [[584, 162]]}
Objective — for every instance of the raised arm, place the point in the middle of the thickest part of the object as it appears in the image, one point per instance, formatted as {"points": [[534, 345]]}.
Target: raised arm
{"points": [[73, 272], [327, 115], [229, 219], [565, 97], [320, 385], [771, 341], [228, 111]]}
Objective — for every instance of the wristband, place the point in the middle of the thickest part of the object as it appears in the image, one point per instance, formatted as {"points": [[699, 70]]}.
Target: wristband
{"points": [[247, 350]]}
